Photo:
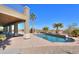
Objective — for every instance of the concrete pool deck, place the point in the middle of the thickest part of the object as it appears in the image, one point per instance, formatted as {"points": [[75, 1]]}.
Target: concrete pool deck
{"points": [[19, 45]]}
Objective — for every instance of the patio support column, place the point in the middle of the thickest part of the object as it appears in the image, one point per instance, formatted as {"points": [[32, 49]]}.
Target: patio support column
{"points": [[26, 22], [10, 29], [16, 29], [6, 29]]}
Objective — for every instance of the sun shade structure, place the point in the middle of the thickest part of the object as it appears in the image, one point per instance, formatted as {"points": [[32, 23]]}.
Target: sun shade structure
{"points": [[9, 17]]}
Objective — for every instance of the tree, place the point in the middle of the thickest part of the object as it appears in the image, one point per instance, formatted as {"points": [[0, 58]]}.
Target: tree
{"points": [[57, 26], [70, 28], [45, 28], [75, 32], [33, 18]]}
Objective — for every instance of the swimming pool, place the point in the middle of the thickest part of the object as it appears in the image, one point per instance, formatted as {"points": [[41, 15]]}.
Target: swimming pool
{"points": [[54, 38]]}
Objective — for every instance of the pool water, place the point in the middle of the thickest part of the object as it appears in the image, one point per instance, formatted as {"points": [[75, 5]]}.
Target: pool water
{"points": [[54, 38]]}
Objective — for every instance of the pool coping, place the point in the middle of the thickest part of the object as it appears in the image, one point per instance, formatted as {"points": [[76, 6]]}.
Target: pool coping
{"points": [[62, 43]]}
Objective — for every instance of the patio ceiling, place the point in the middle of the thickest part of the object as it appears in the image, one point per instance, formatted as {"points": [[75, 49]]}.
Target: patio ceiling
{"points": [[9, 16]]}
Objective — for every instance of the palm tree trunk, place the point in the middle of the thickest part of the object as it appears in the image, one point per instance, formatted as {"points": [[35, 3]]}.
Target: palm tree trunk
{"points": [[32, 26], [57, 30]]}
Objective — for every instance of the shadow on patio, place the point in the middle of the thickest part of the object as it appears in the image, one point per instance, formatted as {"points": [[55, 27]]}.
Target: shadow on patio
{"points": [[7, 41]]}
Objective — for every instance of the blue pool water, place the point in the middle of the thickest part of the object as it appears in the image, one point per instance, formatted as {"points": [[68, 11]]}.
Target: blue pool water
{"points": [[54, 38]]}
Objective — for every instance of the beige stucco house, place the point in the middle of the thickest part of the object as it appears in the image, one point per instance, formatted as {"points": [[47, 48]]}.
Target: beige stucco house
{"points": [[9, 17]]}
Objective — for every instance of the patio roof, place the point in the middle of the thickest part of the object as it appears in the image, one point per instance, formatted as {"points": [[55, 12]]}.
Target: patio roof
{"points": [[9, 16]]}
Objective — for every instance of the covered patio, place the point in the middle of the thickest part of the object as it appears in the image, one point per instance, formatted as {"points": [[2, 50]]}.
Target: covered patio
{"points": [[9, 17]]}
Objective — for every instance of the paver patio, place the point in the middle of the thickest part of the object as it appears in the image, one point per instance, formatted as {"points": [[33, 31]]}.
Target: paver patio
{"points": [[20, 45]]}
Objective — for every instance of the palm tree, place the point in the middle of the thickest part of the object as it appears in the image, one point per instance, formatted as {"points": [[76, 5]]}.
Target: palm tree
{"points": [[33, 18], [57, 26], [45, 28]]}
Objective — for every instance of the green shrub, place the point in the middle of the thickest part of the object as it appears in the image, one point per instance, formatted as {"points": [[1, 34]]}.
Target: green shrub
{"points": [[45, 28], [75, 32]]}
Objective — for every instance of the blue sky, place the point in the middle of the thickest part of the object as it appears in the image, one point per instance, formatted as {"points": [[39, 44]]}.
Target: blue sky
{"points": [[48, 14]]}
